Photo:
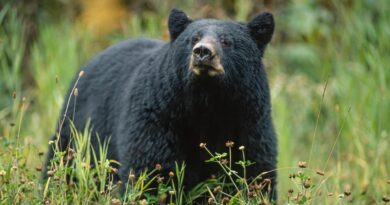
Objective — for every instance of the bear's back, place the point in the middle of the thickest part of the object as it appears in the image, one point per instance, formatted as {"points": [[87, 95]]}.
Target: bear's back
{"points": [[106, 74], [126, 53]]}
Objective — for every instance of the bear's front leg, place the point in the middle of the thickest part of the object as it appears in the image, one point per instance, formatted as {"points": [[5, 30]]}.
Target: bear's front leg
{"points": [[145, 147]]}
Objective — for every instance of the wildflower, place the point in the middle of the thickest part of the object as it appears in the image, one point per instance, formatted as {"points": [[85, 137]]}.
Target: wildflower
{"points": [[217, 189], [293, 175], [50, 173], [385, 199], [70, 154], [131, 176], [306, 184], [160, 179], [229, 144], [319, 172], [158, 167], [347, 190], [38, 168], [113, 170], [225, 200], [76, 92], [302, 164], [81, 73]]}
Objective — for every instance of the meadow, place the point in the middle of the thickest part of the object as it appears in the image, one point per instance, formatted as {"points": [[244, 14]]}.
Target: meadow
{"points": [[329, 71]]}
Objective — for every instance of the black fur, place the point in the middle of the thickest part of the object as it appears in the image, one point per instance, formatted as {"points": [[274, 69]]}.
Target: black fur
{"points": [[261, 29], [177, 22], [142, 94]]}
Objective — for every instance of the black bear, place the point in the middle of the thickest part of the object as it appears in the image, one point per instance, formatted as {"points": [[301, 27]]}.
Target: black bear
{"points": [[157, 101]]}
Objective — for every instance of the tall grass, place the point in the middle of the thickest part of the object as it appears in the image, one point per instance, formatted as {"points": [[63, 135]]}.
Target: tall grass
{"points": [[347, 45], [338, 45], [11, 53]]}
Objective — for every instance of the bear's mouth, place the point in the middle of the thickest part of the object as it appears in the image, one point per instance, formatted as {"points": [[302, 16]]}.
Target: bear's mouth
{"points": [[213, 68]]}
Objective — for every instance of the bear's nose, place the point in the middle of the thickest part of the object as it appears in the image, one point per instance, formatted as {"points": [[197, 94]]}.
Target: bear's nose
{"points": [[203, 52]]}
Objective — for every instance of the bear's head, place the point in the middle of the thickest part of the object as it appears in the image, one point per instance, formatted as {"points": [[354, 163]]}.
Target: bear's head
{"points": [[210, 48]]}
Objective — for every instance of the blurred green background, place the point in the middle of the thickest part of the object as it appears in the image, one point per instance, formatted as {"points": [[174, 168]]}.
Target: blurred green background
{"points": [[328, 64]]}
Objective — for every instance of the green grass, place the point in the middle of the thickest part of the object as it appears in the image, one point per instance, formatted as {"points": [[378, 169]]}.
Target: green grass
{"points": [[329, 70]]}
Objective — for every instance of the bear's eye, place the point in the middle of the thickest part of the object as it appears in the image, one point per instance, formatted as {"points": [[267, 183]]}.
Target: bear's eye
{"points": [[225, 43], [195, 39]]}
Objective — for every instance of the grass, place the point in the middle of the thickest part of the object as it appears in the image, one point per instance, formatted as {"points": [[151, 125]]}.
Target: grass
{"points": [[328, 66]]}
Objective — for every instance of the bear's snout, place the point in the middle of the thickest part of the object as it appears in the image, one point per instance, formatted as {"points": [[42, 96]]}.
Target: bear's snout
{"points": [[203, 53], [205, 59]]}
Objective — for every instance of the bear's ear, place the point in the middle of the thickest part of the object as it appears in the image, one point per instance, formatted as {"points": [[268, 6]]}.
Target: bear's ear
{"points": [[177, 22], [261, 28]]}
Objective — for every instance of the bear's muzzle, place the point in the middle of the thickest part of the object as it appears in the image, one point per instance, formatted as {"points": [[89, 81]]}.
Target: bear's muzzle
{"points": [[205, 59]]}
